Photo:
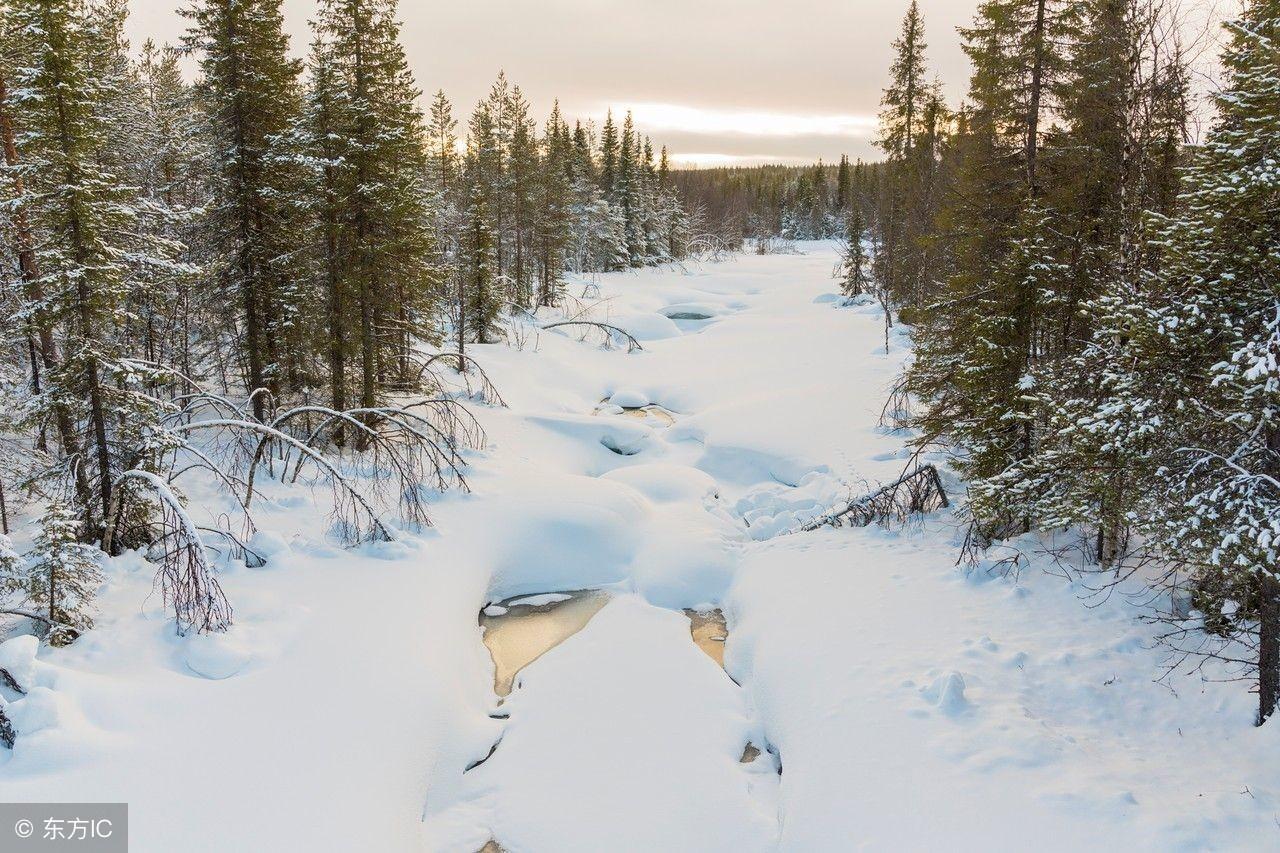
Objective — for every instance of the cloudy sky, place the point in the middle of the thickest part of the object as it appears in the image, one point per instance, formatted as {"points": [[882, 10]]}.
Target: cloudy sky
{"points": [[718, 81]]}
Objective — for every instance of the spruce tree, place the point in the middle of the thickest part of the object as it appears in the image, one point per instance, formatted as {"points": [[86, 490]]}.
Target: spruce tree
{"points": [[608, 156], [251, 96], [1206, 345]]}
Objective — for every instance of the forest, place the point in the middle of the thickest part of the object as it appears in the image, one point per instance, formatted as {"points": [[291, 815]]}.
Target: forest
{"points": [[266, 262], [476, 477], [1092, 291]]}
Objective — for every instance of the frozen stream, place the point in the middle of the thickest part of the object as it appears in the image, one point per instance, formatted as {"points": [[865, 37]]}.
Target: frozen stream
{"points": [[356, 705]]}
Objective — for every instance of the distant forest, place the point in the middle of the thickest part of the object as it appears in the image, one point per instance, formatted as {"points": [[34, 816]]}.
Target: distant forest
{"points": [[799, 202]]}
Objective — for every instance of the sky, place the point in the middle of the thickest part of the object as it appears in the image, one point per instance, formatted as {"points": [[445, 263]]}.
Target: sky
{"points": [[720, 82]]}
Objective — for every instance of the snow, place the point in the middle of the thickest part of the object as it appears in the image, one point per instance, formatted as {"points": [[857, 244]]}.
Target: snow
{"points": [[629, 398], [216, 656], [910, 704]]}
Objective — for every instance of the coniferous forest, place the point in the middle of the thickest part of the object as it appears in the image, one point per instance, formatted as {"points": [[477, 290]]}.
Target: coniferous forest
{"points": [[287, 246], [944, 474], [1092, 288]]}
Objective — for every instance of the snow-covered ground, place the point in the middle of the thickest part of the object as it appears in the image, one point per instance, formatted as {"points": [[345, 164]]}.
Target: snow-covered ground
{"points": [[909, 704]]}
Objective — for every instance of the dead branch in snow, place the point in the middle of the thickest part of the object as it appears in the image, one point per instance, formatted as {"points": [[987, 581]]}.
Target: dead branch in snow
{"points": [[465, 366], [918, 492], [896, 413], [633, 345], [185, 578], [355, 519], [51, 626], [7, 679]]}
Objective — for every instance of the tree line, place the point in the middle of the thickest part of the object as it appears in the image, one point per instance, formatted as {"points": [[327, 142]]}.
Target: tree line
{"points": [[260, 273], [760, 202], [1096, 298]]}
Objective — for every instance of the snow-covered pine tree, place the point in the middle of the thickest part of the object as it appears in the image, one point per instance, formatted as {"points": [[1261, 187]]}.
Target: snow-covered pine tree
{"points": [[1205, 339], [62, 575], [553, 207], [608, 156], [980, 340], [855, 262], [92, 256], [250, 94], [1122, 119], [168, 150], [388, 265], [480, 295], [628, 192], [522, 176]]}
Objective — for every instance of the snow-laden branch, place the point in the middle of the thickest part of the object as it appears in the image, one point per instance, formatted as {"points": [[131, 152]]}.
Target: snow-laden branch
{"points": [[633, 345], [185, 578]]}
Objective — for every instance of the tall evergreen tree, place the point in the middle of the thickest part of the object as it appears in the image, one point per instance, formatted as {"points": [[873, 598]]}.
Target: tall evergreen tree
{"points": [[251, 95]]}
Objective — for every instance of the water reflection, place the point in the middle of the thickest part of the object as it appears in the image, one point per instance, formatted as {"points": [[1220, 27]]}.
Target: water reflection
{"points": [[709, 632], [521, 630]]}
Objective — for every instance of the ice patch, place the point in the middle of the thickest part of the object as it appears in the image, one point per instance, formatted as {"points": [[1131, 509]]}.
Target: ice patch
{"points": [[691, 311], [532, 601]]}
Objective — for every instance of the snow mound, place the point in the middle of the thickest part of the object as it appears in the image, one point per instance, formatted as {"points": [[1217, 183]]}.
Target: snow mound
{"points": [[269, 545], [629, 398], [39, 709], [558, 531], [625, 436], [18, 655], [663, 482], [947, 693], [216, 656], [647, 327]]}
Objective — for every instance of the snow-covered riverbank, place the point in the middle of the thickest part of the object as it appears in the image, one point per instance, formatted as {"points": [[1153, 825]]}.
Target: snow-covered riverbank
{"points": [[910, 705]]}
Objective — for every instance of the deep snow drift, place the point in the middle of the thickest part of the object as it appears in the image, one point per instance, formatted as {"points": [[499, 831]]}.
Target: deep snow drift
{"points": [[908, 704]]}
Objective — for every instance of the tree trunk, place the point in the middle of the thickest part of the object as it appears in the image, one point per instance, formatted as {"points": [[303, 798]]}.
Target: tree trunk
{"points": [[1268, 588], [1033, 106], [337, 333], [29, 270], [1268, 646]]}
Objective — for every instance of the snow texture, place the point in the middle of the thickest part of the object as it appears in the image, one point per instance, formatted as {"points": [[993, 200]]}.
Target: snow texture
{"points": [[908, 703]]}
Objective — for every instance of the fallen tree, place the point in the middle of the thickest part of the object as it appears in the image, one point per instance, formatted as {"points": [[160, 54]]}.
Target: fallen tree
{"points": [[917, 492], [608, 332]]}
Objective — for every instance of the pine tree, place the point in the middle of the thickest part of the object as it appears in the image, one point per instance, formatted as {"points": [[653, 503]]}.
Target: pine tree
{"points": [[855, 257], [553, 203], [903, 100], [843, 185], [980, 345], [250, 92], [1205, 345], [480, 303], [62, 575], [388, 261], [608, 156], [522, 171], [94, 252], [442, 142]]}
